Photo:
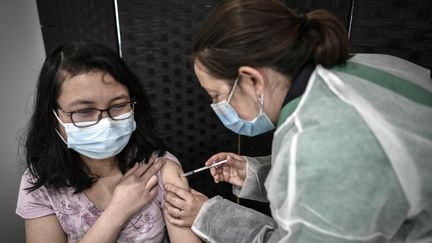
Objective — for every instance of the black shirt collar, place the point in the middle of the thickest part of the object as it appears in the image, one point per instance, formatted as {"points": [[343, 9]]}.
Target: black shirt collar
{"points": [[299, 83]]}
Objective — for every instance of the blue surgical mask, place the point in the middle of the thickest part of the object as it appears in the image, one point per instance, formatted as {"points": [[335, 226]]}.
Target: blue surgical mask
{"points": [[232, 121], [103, 140]]}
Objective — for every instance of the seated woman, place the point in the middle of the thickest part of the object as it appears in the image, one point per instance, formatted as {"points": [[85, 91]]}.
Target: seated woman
{"points": [[96, 167]]}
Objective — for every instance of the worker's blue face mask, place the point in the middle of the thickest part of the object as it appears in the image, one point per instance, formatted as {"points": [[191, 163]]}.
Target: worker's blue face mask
{"points": [[103, 140], [232, 121]]}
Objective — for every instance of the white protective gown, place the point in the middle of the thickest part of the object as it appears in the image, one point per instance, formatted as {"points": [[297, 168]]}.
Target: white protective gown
{"points": [[351, 162]]}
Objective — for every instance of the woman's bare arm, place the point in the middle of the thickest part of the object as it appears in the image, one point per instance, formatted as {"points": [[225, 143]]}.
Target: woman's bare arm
{"points": [[172, 174], [45, 229]]}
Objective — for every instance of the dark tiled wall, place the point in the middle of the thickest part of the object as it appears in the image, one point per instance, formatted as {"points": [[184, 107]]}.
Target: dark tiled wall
{"points": [[64, 21], [395, 27]]}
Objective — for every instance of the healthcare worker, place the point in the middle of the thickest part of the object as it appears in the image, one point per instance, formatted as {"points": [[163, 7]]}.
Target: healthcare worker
{"points": [[352, 152]]}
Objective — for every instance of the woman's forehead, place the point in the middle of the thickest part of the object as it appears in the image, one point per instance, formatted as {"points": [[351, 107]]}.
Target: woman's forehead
{"points": [[91, 86]]}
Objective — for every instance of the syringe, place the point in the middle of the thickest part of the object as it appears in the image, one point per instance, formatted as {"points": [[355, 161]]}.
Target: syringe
{"points": [[204, 168]]}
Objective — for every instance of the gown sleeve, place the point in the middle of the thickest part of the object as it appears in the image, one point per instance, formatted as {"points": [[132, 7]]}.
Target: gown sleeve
{"points": [[256, 174], [221, 220]]}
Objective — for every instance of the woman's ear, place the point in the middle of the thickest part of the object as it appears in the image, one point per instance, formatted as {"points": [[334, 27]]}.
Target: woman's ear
{"points": [[254, 77]]}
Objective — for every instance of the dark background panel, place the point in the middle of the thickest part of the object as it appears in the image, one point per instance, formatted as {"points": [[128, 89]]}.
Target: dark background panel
{"points": [[156, 42], [65, 21], [395, 27]]}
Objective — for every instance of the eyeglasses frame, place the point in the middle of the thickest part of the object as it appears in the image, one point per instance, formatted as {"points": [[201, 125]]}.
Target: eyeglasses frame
{"points": [[70, 113]]}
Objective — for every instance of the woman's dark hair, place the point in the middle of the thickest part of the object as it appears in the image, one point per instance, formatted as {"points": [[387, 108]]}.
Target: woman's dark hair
{"points": [[266, 33], [49, 160]]}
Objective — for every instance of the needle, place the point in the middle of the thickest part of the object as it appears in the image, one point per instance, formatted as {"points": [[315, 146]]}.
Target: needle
{"points": [[204, 168]]}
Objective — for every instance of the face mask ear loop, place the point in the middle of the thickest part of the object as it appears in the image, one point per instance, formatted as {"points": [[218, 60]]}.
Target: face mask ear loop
{"points": [[232, 90], [261, 103], [57, 131], [60, 136], [58, 118]]}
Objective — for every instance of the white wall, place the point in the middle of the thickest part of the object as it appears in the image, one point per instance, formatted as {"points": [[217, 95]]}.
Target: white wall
{"points": [[21, 56]]}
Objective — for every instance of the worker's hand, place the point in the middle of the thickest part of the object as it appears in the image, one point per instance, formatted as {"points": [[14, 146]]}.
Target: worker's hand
{"points": [[181, 205], [136, 188], [233, 171]]}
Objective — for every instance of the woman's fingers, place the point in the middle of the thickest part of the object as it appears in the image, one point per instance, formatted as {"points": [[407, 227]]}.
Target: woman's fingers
{"points": [[178, 191], [195, 192], [175, 221], [172, 210], [136, 171], [216, 158], [151, 183], [131, 170], [153, 192], [147, 171], [174, 201], [181, 205], [221, 173], [233, 171]]}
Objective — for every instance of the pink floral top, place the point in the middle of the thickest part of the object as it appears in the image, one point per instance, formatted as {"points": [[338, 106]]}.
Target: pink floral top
{"points": [[76, 213]]}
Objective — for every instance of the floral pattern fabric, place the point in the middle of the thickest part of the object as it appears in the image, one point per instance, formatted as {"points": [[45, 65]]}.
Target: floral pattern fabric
{"points": [[76, 213]]}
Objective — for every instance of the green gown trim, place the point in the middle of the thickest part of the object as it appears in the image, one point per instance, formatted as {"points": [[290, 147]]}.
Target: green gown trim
{"points": [[387, 80]]}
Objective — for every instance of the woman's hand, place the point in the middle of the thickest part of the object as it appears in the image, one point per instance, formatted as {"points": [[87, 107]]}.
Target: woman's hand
{"points": [[233, 171], [181, 205], [136, 188]]}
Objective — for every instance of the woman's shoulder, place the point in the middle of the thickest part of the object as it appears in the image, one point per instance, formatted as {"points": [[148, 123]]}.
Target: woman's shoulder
{"points": [[172, 164], [32, 203], [27, 184], [45, 194], [166, 155], [172, 171]]}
